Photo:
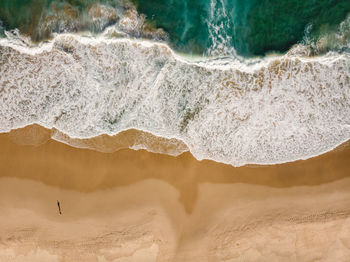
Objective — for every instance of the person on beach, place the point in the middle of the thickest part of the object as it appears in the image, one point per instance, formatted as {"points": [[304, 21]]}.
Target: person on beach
{"points": [[59, 207]]}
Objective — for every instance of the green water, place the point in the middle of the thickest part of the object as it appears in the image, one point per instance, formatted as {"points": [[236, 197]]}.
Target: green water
{"points": [[21, 14], [26, 15], [255, 26], [277, 25], [252, 27]]}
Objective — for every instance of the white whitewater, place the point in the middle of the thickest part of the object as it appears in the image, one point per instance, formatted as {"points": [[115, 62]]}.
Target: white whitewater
{"points": [[277, 110], [218, 27]]}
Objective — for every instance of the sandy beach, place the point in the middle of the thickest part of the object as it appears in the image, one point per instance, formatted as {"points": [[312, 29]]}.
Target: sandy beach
{"points": [[174, 131], [138, 206]]}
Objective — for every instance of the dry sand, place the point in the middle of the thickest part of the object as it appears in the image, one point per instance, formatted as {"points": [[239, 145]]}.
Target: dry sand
{"points": [[140, 206]]}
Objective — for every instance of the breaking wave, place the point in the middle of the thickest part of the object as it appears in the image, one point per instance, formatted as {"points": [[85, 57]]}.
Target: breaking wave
{"points": [[263, 111]]}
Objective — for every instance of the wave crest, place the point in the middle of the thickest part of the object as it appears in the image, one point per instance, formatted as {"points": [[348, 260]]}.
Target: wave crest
{"points": [[279, 109]]}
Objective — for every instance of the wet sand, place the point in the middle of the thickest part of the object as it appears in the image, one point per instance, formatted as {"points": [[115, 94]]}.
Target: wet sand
{"points": [[140, 206]]}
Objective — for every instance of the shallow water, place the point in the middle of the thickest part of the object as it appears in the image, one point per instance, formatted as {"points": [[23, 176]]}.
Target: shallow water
{"points": [[40, 18]]}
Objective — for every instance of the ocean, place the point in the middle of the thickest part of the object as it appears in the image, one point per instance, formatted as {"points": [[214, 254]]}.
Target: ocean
{"points": [[237, 82]]}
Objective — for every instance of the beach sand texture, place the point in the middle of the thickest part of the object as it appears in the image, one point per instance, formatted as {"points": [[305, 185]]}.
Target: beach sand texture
{"points": [[139, 206]]}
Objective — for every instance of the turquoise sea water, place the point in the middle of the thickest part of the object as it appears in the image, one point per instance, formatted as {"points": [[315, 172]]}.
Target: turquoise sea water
{"points": [[253, 27], [250, 27]]}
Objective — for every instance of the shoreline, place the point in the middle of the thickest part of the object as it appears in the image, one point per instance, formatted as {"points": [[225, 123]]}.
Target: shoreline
{"points": [[35, 138], [133, 139]]}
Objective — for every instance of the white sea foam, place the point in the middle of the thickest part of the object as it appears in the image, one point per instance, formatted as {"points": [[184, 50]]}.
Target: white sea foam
{"points": [[218, 23], [337, 39], [277, 110]]}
